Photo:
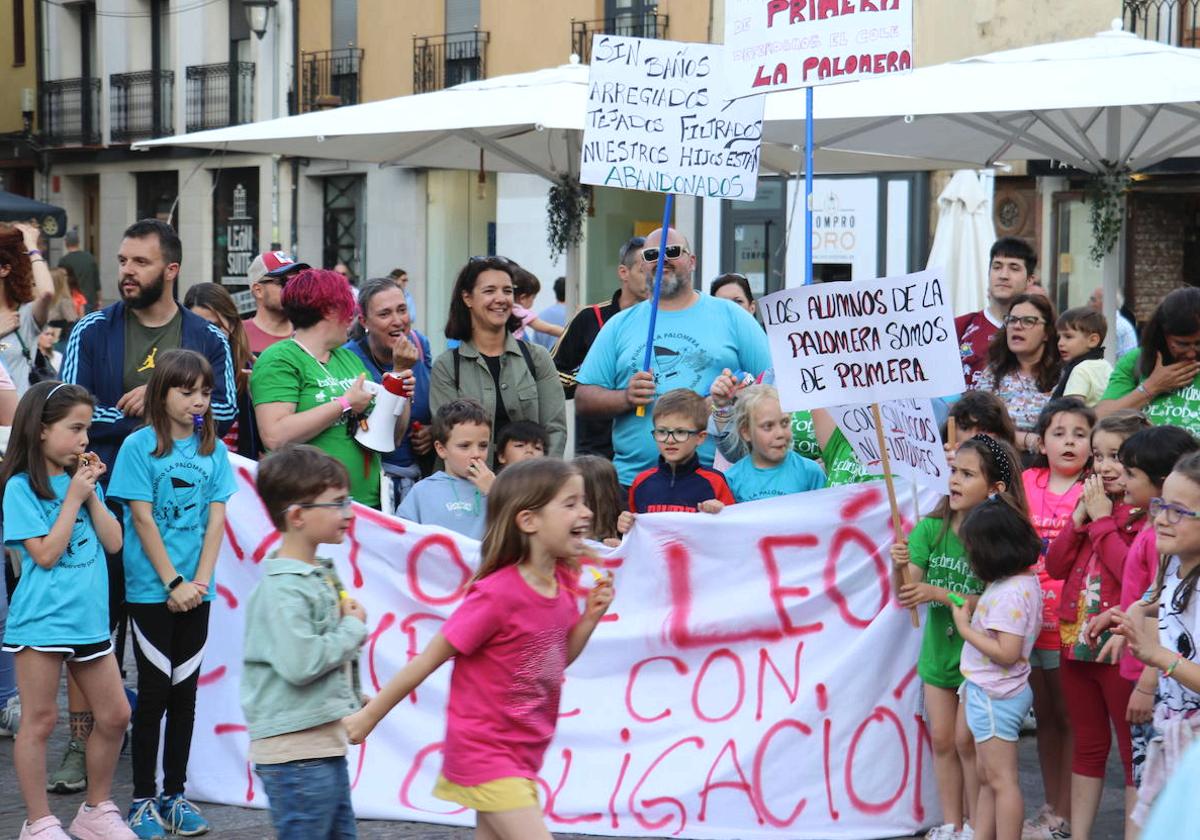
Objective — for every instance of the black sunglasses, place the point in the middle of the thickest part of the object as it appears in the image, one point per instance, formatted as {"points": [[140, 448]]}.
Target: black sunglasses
{"points": [[673, 252]]}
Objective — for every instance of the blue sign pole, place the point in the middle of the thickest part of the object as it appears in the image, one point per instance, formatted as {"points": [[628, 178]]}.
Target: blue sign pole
{"points": [[808, 186], [658, 272]]}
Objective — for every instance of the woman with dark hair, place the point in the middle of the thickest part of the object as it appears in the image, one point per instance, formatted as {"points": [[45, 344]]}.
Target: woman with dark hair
{"points": [[734, 287], [1023, 364], [214, 304], [26, 291], [514, 380], [385, 341], [1162, 377], [309, 388]]}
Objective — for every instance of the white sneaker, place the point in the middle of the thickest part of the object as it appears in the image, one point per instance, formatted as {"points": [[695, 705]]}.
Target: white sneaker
{"points": [[10, 716], [942, 832], [967, 833]]}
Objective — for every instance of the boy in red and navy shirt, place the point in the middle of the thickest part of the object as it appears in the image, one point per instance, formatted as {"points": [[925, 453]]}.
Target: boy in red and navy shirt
{"points": [[679, 482]]}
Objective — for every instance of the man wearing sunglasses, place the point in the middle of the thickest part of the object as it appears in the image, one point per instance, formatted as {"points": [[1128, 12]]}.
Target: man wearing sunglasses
{"points": [[695, 338], [267, 276]]}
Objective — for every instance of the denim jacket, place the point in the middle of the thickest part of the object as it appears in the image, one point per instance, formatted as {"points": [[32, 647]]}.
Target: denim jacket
{"points": [[301, 653]]}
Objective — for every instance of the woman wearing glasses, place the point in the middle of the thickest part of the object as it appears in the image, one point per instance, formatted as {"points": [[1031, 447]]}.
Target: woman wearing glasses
{"points": [[1162, 377], [512, 379], [1023, 364]]}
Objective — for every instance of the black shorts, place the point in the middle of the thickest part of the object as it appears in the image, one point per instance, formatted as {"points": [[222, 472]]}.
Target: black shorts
{"points": [[69, 653]]}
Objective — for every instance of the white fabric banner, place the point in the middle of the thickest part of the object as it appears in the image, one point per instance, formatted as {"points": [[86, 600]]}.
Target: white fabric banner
{"points": [[753, 679]]}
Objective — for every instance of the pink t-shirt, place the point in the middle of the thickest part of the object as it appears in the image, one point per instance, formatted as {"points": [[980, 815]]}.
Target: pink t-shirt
{"points": [[1012, 605], [1138, 575], [1050, 513], [260, 340], [527, 316], [512, 652]]}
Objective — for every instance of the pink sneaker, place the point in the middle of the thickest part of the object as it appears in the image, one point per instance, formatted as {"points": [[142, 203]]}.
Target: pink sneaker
{"points": [[104, 822], [47, 828]]}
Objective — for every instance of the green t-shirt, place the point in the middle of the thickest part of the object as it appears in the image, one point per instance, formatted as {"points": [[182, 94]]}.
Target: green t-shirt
{"points": [[143, 345], [841, 464], [286, 373], [945, 563], [804, 439], [1176, 408]]}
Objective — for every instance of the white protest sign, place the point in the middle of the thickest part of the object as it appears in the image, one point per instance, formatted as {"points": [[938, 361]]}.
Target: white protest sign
{"points": [[910, 431], [754, 678], [656, 121], [864, 341], [782, 44]]}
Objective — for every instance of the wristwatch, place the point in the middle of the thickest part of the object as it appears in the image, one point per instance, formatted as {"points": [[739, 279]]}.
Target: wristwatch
{"points": [[1141, 386], [170, 587]]}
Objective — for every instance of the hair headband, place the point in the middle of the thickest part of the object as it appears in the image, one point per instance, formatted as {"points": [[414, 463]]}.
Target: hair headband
{"points": [[1000, 457], [54, 390]]}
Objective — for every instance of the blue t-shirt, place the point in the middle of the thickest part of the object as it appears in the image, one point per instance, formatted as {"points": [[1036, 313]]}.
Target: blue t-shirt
{"points": [[402, 455], [66, 604], [691, 348], [794, 474], [180, 486]]}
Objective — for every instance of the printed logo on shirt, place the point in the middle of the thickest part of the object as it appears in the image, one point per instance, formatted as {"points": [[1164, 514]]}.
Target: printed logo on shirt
{"points": [[148, 362], [178, 496], [537, 681], [78, 555], [679, 361]]}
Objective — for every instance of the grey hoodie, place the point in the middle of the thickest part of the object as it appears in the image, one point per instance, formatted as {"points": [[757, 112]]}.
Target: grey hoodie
{"points": [[448, 501]]}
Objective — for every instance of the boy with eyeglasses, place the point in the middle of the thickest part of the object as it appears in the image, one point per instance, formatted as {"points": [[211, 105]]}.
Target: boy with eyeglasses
{"points": [[302, 639], [679, 482]]}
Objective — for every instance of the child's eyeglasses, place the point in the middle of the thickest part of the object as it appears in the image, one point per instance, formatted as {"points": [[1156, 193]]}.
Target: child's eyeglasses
{"points": [[673, 252], [674, 435], [1174, 513], [343, 506]]}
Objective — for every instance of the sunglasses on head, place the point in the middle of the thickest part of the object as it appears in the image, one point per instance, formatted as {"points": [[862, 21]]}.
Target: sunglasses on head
{"points": [[492, 259], [672, 252]]}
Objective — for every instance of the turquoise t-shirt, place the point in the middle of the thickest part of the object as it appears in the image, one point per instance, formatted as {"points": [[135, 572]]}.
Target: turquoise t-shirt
{"points": [[794, 474], [66, 604], [180, 485], [691, 348]]}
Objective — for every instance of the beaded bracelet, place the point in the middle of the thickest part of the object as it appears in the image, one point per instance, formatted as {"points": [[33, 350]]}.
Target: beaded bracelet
{"points": [[1171, 669]]}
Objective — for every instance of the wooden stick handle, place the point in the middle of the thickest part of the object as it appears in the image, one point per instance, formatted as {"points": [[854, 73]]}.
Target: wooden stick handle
{"points": [[952, 433], [897, 525]]}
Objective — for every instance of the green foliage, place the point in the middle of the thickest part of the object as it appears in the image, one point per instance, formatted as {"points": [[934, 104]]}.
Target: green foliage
{"points": [[1106, 203], [566, 205]]}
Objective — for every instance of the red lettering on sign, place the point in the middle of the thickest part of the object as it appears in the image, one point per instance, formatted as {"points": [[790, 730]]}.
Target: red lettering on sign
{"points": [[860, 804], [681, 811], [767, 547], [385, 622], [212, 676], [225, 729], [552, 795], [833, 812], [233, 542], [680, 668], [741, 785], [612, 800], [759, 758], [411, 775], [792, 691], [408, 628], [844, 535], [898, 691], [414, 579], [228, 596], [723, 653]]}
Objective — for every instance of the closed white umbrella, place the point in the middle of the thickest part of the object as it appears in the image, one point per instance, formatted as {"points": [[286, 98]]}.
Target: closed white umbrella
{"points": [[962, 240]]}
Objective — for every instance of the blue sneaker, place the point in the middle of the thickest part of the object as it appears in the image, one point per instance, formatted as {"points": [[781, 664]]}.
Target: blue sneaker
{"points": [[181, 817], [144, 820]]}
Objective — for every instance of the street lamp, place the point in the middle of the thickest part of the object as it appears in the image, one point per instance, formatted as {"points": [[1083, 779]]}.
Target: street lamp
{"points": [[257, 14]]}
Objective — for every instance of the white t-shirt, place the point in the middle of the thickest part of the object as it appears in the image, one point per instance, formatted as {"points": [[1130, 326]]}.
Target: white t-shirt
{"points": [[11, 354], [1177, 632]]}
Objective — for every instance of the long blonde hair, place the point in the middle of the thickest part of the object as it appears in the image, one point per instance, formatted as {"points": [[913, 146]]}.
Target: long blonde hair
{"points": [[528, 485]]}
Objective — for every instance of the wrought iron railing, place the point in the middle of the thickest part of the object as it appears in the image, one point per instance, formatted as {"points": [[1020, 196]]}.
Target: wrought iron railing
{"points": [[70, 114], [219, 95], [1175, 22], [442, 61], [649, 24], [330, 78], [142, 105]]}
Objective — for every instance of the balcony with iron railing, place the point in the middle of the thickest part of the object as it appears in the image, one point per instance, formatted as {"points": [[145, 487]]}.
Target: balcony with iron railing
{"points": [[1175, 22], [70, 112], [330, 78], [219, 95], [442, 61], [142, 105], [648, 24]]}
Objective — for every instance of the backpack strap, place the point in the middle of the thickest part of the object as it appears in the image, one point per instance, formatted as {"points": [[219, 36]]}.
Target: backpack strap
{"points": [[524, 352], [595, 307], [457, 367]]}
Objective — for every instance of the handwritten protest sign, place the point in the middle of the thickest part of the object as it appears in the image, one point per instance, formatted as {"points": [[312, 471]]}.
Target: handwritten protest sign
{"points": [[656, 121], [864, 341], [911, 432], [754, 678], [782, 44]]}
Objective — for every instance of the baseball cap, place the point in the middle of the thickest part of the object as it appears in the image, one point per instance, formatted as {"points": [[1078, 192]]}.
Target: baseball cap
{"points": [[272, 264]]}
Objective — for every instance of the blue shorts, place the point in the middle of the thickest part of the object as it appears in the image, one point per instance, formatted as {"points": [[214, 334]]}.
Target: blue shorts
{"points": [[989, 718]]}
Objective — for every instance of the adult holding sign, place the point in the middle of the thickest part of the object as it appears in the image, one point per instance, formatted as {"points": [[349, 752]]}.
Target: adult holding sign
{"points": [[696, 338]]}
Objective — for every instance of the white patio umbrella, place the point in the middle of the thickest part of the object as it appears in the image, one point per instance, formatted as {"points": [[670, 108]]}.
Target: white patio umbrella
{"points": [[962, 240], [1110, 103]]}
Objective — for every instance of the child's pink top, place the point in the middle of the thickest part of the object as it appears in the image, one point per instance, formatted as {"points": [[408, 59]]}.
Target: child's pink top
{"points": [[504, 691], [1011, 605], [527, 316], [1049, 512], [1141, 569]]}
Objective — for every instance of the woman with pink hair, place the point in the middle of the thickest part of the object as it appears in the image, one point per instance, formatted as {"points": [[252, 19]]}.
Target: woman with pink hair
{"points": [[309, 389]]}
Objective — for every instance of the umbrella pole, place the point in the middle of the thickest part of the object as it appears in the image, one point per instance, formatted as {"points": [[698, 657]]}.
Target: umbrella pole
{"points": [[808, 186], [658, 271]]}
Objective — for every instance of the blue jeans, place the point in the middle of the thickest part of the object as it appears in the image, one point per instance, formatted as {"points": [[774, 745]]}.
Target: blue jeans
{"points": [[310, 799]]}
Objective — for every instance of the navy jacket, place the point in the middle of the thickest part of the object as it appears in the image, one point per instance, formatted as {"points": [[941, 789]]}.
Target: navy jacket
{"points": [[680, 489], [95, 359]]}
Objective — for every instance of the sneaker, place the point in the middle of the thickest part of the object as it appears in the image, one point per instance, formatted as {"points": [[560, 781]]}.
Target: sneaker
{"points": [[1053, 828], [967, 833], [101, 823], [942, 832], [144, 820], [10, 716], [47, 828], [71, 775], [1035, 823], [182, 817]]}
